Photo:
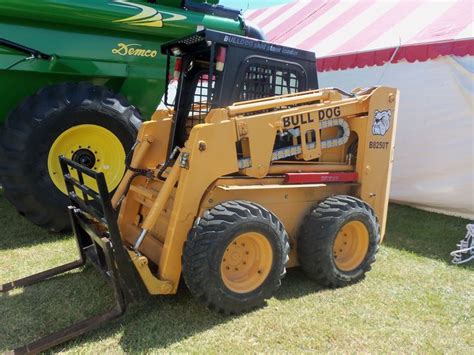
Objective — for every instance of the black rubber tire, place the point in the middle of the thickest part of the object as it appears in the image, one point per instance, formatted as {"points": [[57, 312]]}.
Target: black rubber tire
{"points": [[318, 233], [207, 242], [32, 127]]}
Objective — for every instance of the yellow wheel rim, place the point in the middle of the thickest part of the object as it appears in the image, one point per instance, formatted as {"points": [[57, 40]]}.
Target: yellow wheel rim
{"points": [[247, 262], [93, 146], [351, 246]]}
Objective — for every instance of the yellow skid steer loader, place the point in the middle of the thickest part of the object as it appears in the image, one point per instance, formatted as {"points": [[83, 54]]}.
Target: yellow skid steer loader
{"points": [[251, 170]]}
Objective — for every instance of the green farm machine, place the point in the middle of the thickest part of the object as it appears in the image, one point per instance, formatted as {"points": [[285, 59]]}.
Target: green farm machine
{"points": [[77, 78]]}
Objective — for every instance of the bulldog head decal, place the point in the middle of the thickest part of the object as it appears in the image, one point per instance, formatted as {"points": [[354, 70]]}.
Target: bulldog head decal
{"points": [[381, 122]]}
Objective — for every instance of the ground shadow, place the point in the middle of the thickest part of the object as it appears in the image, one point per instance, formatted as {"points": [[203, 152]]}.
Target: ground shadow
{"points": [[40, 309], [162, 321], [296, 284], [153, 324], [427, 234]]}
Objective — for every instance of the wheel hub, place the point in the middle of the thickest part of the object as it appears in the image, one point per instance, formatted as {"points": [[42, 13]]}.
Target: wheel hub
{"points": [[351, 246], [246, 262], [92, 146], [84, 157]]}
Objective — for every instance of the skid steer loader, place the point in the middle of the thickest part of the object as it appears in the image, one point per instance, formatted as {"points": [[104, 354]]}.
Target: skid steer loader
{"points": [[251, 171]]}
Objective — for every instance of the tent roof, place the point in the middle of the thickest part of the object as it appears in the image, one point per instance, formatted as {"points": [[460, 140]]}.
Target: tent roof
{"points": [[357, 33]]}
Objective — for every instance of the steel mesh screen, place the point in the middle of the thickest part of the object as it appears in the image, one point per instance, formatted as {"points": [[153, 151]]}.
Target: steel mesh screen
{"points": [[263, 80]]}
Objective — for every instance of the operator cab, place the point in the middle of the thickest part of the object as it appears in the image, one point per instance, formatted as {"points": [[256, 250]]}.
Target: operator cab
{"points": [[215, 69]]}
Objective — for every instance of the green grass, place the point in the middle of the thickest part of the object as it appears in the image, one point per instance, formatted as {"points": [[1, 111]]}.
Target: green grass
{"points": [[413, 300]]}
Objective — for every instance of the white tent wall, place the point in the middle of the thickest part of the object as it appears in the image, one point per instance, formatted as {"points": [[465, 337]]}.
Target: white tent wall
{"points": [[434, 154]]}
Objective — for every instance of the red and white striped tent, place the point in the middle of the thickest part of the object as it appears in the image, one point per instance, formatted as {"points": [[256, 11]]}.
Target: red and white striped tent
{"points": [[424, 48], [352, 33]]}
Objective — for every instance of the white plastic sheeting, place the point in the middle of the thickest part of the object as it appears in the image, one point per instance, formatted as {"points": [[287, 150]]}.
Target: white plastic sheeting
{"points": [[434, 154]]}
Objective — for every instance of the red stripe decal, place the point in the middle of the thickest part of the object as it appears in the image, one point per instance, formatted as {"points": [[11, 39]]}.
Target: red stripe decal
{"points": [[309, 178]]}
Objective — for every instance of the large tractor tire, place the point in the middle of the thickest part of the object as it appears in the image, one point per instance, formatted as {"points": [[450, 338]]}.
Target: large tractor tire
{"points": [[235, 257], [86, 123], [338, 241]]}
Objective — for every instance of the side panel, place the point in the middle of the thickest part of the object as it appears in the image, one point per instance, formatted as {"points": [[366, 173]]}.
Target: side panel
{"points": [[290, 203], [375, 152]]}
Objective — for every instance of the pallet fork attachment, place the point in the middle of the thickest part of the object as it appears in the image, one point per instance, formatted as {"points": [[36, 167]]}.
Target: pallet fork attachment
{"points": [[94, 223]]}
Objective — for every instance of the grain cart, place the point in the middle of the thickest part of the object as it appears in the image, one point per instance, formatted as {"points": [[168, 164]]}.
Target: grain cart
{"points": [[77, 77], [228, 195]]}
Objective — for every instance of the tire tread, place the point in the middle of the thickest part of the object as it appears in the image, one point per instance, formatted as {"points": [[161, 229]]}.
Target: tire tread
{"points": [[316, 237]]}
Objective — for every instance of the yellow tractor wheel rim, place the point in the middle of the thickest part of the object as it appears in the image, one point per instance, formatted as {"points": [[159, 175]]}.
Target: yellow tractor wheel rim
{"points": [[351, 246], [246, 263], [93, 146]]}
